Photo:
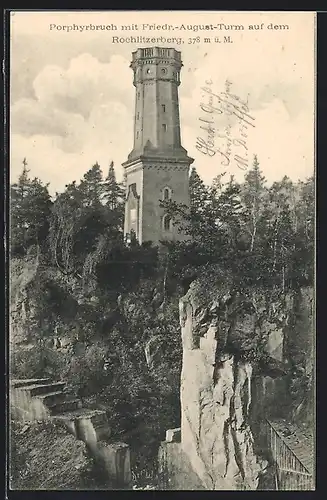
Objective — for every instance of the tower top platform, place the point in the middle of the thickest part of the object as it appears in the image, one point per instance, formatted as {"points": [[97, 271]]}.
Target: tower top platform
{"points": [[157, 52]]}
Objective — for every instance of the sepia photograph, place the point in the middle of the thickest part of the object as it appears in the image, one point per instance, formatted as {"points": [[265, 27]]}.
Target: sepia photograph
{"points": [[162, 250]]}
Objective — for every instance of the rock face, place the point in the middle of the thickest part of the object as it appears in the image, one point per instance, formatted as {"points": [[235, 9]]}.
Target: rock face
{"points": [[153, 350], [215, 398], [22, 274], [300, 350], [220, 343]]}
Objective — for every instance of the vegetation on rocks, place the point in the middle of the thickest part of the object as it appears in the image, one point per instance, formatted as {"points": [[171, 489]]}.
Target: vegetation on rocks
{"points": [[44, 456]]}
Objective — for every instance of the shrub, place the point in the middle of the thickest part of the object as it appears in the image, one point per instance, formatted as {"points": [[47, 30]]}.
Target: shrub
{"points": [[45, 456], [36, 362]]}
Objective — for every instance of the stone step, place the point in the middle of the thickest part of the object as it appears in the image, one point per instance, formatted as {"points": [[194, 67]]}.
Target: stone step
{"points": [[39, 389], [52, 398], [83, 413], [86, 424], [67, 405], [17, 384]]}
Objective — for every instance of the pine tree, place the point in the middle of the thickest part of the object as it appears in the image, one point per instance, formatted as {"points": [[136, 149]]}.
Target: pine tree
{"points": [[18, 194], [91, 186], [253, 194], [23, 181], [280, 235], [38, 211], [198, 192], [305, 231], [20, 190], [114, 193], [30, 212]]}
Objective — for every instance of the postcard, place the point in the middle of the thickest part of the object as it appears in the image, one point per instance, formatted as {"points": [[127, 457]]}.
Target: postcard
{"points": [[162, 236]]}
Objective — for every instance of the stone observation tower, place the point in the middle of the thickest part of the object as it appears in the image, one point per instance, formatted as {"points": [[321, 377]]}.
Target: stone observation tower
{"points": [[158, 166]]}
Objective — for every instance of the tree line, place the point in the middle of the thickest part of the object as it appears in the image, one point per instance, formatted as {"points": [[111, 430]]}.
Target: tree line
{"points": [[261, 235]]}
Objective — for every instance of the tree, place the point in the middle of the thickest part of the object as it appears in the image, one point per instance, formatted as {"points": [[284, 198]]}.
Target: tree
{"points": [[30, 212], [114, 195], [66, 212], [21, 188], [273, 229], [18, 194], [91, 186], [215, 224], [253, 193], [280, 220], [185, 217], [304, 245], [82, 225], [38, 211], [199, 195]]}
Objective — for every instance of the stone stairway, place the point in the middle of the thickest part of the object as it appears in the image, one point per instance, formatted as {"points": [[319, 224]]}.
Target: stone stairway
{"points": [[37, 399], [40, 399]]}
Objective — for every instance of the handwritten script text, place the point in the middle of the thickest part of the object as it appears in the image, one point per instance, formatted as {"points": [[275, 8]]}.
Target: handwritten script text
{"points": [[230, 141]]}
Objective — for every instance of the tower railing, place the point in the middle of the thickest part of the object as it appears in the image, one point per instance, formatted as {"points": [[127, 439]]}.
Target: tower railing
{"points": [[157, 52], [292, 474], [147, 52], [163, 52]]}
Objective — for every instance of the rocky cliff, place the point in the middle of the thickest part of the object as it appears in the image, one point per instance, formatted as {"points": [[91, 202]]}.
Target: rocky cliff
{"points": [[236, 373], [22, 276]]}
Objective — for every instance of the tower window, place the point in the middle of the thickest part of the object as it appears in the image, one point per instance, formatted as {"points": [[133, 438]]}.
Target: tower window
{"points": [[138, 116], [138, 95], [163, 107], [148, 70], [137, 134], [163, 71], [164, 127], [133, 215], [167, 222], [166, 193]]}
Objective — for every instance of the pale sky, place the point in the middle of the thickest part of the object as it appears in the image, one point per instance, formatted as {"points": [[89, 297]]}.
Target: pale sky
{"points": [[72, 97]]}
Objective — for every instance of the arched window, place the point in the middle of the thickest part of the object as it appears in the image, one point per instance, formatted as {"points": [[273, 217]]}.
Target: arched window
{"points": [[133, 215], [166, 194], [167, 223]]}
